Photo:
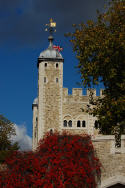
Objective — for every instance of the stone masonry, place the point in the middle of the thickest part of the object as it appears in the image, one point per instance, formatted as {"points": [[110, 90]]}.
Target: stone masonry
{"points": [[54, 109]]}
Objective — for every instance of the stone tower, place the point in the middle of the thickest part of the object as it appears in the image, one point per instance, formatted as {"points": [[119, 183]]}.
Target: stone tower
{"points": [[54, 109], [47, 108]]}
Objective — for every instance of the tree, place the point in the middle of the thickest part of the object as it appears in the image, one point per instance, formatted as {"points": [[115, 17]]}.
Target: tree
{"points": [[100, 50], [61, 161], [7, 130]]}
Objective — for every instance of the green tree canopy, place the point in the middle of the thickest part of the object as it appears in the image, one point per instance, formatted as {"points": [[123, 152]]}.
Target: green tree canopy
{"points": [[7, 130], [100, 50]]}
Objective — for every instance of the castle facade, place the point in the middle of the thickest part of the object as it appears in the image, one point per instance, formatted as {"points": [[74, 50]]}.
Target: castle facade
{"points": [[54, 109]]}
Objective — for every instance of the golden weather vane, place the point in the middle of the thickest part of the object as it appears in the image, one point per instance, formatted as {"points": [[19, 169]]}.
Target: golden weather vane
{"points": [[51, 26]]}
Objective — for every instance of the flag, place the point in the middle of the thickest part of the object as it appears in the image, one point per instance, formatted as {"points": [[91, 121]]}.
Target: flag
{"points": [[57, 48]]}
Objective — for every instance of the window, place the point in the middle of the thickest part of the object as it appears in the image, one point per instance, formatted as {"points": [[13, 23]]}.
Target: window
{"points": [[57, 80], [70, 123], [56, 65], [35, 134], [36, 121], [45, 64], [44, 79], [65, 123], [78, 124], [83, 123], [51, 131], [96, 125]]}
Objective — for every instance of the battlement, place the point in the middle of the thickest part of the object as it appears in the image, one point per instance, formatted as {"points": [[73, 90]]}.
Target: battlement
{"points": [[101, 92], [65, 91], [79, 92], [78, 96], [91, 90]]}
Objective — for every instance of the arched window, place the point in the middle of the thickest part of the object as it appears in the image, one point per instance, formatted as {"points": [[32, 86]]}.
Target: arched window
{"points": [[78, 123], [83, 123], [56, 65], [45, 64], [96, 124], [65, 123], [51, 131], [70, 123]]}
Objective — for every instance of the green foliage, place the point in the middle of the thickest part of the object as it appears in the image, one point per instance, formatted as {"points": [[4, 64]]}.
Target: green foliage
{"points": [[7, 130], [100, 50]]}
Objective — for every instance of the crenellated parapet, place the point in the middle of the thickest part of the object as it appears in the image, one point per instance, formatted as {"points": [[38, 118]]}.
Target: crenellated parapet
{"points": [[65, 91], [77, 94], [89, 91], [101, 92], [77, 91]]}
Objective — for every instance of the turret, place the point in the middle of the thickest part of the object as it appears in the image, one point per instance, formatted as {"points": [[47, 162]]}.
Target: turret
{"points": [[50, 83]]}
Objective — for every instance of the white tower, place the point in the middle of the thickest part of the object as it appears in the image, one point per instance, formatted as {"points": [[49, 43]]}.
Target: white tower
{"points": [[47, 108]]}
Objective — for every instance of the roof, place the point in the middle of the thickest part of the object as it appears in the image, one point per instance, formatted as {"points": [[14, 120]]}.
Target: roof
{"points": [[35, 101], [50, 52]]}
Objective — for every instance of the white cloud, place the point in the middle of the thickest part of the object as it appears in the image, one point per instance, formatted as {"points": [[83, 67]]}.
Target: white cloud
{"points": [[24, 141]]}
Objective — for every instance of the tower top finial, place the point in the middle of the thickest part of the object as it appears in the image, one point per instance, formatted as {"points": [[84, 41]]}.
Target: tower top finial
{"points": [[51, 29]]}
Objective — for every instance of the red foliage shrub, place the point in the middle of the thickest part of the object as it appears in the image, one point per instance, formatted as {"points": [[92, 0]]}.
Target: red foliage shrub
{"points": [[61, 161]]}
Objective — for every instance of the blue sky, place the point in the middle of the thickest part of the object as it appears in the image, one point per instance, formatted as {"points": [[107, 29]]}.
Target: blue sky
{"points": [[22, 38]]}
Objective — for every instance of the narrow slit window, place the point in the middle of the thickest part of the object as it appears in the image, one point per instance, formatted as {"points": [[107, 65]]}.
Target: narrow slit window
{"points": [[83, 123], [78, 124], [65, 123], [96, 125], [35, 134], [70, 123], [57, 80], [36, 121], [44, 79]]}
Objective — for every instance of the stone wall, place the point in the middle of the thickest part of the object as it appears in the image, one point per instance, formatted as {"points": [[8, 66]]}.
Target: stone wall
{"points": [[112, 160], [74, 108], [3, 167]]}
